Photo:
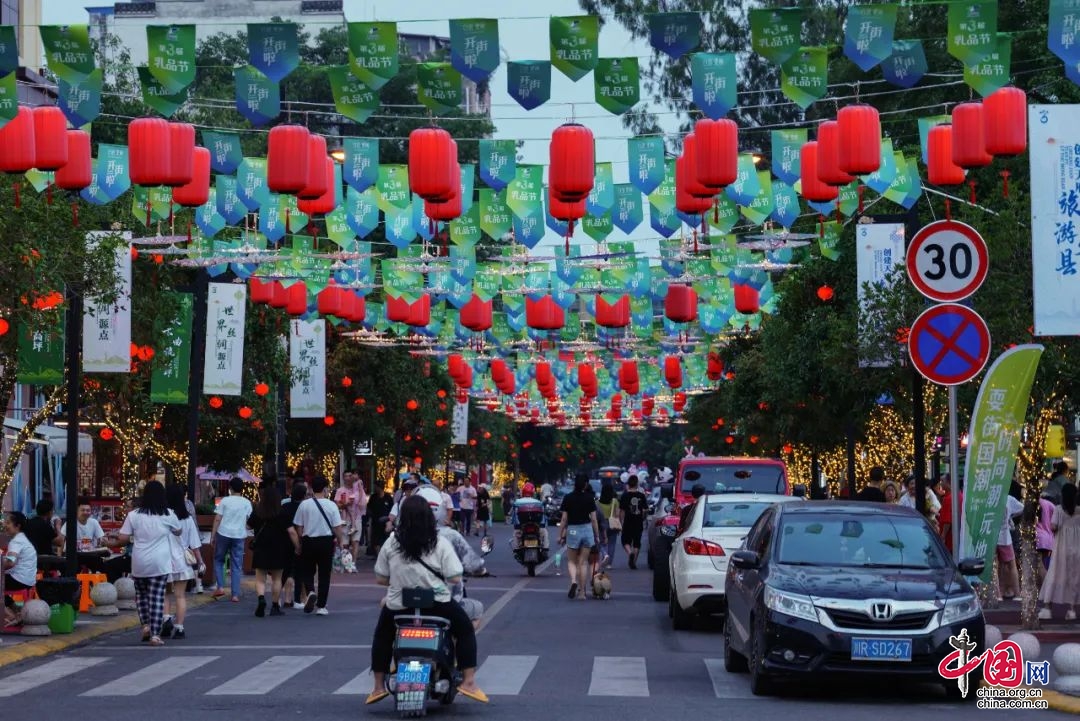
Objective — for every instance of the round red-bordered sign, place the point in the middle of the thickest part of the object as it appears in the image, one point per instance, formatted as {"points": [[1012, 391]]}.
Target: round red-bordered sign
{"points": [[949, 344], [947, 261]]}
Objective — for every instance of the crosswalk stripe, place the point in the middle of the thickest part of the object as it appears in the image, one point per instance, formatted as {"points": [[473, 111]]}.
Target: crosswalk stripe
{"points": [[726, 685], [619, 676], [505, 675], [154, 675], [46, 673], [358, 686], [265, 677]]}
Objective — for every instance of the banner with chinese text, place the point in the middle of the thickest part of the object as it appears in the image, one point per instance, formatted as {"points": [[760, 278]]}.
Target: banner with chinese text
{"points": [[107, 326], [172, 362], [223, 370], [307, 358]]}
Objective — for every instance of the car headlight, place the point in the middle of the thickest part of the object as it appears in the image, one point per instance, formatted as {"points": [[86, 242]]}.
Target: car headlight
{"points": [[792, 604], [960, 608]]}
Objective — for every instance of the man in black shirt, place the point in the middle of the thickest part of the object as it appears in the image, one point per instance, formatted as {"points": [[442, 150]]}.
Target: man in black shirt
{"points": [[872, 491], [633, 507], [40, 532]]}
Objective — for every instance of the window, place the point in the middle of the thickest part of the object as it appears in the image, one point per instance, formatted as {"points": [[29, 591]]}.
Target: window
{"points": [[841, 540], [758, 538], [725, 514], [732, 478]]}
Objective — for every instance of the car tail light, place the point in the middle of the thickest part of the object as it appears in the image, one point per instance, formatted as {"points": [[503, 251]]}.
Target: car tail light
{"points": [[700, 547]]}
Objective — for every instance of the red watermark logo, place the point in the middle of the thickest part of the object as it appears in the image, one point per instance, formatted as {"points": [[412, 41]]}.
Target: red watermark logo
{"points": [[1003, 666]]}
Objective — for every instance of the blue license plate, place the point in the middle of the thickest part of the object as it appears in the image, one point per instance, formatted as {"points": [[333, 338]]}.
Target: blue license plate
{"points": [[413, 675], [881, 649]]}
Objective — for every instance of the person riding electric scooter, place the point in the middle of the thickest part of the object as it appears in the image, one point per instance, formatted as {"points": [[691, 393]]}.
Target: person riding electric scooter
{"points": [[530, 529]]}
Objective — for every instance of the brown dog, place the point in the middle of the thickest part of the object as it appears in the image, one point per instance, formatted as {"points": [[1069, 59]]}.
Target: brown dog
{"points": [[601, 586]]}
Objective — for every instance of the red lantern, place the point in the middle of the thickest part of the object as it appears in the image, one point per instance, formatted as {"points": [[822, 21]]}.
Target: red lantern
{"points": [[17, 142], [685, 200], [261, 389], [244, 412], [499, 371], [106, 434], [420, 313], [215, 402], [260, 291], [465, 380], [330, 301], [715, 367], [859, 129], [4, 326], [432, 160], [614, 315], [680, 304], [679, 402], [572, 163], [326, 202], [969, 136], [328, 421], [149, 151], [446, 211], [828, 161], [411, 405], [476, 314], [455, 365], [196, 192], [296, 299], [628, 377], [50, 138], [692, 179], [181, 154], [941, 170], [287, 159], [586, 375], [813, 188], [747, 298], [77, 173], [716, 152], [315, 184], [1005, 116], [825, 293], [673, 371], [544, 314], [356, 307], [278, 297]]}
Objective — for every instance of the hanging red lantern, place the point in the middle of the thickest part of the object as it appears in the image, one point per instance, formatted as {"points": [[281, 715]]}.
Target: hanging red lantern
{"points": [[397, 310], [197, 191], [747, 298], [813, 188], [215, 402], [444, 212], [431, 164], [260, 291], [261, 389], [716, 152], [455, 365], [50, 138], [499, 371], [673, 371], [1005, 118], [149, 151], [4, 326], [287, 159], [465, 380], [941, 170], [788, 449], [279, 297], [572, 163], [315, 184], [544, 314], [828, 161], [566, 211], [825, 293], [244, 412], [476, 315], [77, 172], [628, 377], [353, 306], [328, 420], [297, 300], [680, 303], [543, 373], [17, 142], [326, 202], [106, 434], [859, 133], [330, 301], [613, 315], [411, 405], [420, 312], [181, 154], [714, 367], [685, 200], [969, 136], [346, 382], [692, 178], [678, 403]]}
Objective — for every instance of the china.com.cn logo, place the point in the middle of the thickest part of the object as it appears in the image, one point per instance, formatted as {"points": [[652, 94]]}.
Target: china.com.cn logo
{"points": [[1003, 666]]}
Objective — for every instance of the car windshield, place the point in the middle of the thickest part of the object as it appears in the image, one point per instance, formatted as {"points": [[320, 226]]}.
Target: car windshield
{"points": [[859, 541], [725, 514], [734, 478]]}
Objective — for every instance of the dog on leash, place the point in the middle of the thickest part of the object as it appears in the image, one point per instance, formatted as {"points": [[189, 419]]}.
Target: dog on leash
{"points": [[601, 586]]}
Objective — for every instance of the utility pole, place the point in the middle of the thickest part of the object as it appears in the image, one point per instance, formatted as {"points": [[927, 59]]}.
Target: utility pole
{"points": [[200, 291], [73, 340]]}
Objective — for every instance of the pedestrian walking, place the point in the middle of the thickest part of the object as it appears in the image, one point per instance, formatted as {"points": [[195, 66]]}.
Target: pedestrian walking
{"points": [[483, 510], [468, 506], [1062, 584], [609, 513], [1008, 576], [1044, 536], [271, 548], [186, 560], [230, 536], [633, 507], [579, 531], [292, 561], [148, 528], [352, 503], [507, 502], [378, 511], [318, 523]]}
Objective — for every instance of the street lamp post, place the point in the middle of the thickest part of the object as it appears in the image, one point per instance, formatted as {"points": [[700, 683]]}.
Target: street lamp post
{"points": [[73, 341]]}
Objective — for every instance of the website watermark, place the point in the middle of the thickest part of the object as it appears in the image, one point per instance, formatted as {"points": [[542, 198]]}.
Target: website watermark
{"points": [[1010, 680]]}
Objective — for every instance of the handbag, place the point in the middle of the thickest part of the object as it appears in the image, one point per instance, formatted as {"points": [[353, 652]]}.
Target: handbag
{"points": [[614, 523], [189, 557]]}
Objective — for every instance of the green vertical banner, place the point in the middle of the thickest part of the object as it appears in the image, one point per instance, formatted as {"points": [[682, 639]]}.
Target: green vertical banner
{"points": [[258, 98], [972, 32], [274, 49], [646, 158], [601, 198], [617, 85], [172, 362], [714, 84], [786, 146], [675, 34], [776, 33], [438, 86], [993, 442], [361, 167], [524, 193], [393, 187], [225, 151], [9, 50], [498, 162], [465, 229], [157, 97], [574, 44], [992, 71], [474, 47], [171, 52], [868, 36], [41, 355], [907, 64], [627, 213], [829, 240], [352, 98], [805, 76], [80, 100], [68, 51], [529, 82], [9, 98], [598, 227], [373, 52], [495, 217]]}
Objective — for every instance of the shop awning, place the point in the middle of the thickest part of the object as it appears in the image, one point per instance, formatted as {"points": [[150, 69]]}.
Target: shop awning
{"points": [[54, 438]]}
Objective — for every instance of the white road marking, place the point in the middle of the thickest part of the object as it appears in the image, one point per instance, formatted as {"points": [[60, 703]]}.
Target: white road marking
{"points": [[243, 647], [619, 676], [265, 677], [505, 675], [493, 610], [46, 673], [359, 686], [152, 676], [726, 685]]}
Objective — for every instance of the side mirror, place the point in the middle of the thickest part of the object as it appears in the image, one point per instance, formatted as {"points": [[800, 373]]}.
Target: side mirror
{"points": [[798, 491], [487, 545], [746, 560], [971, 566]]}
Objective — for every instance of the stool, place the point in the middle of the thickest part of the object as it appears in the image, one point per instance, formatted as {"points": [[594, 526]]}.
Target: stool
{"points": [[88, 580], [20, 598]]}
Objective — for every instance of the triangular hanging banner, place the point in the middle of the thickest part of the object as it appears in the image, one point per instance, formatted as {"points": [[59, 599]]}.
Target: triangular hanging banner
{"points": [[574, 47], [474, 47], [868, 34]]}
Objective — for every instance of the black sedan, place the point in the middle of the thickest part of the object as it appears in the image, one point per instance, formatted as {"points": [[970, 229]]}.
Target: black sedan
{"points": [[831, 589]]}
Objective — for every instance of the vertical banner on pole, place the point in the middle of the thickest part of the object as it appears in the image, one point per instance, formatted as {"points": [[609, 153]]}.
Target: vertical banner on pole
{"points": [[169, 380], [879, 248], [107, 326], [307, 357], [459, 425], [225, 314]]}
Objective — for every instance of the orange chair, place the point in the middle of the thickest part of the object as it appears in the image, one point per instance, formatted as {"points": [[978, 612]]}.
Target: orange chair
{"points": [[87, 581]]}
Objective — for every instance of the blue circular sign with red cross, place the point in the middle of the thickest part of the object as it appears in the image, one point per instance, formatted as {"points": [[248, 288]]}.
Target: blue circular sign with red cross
{"points": [[949, 344]]}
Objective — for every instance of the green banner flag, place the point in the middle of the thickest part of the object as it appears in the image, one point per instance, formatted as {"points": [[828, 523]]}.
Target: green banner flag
{"points": [[776, 33], [9, 50], [474, 47], [81, 100], [664, 195], [598, 227], [523, 195], [829, 240], [273, 48], [997, 424], [724, 215], [225, 151], [373, 52], [848, 198], [498, 159], [574, 44], [68, 51], [171, 51], [172, 363], [41, 355], [393, 187], [757, 211], [258, 98], [486, 282], [786, 145], [438, 86], [805, 76], [617, 86], [529, 82], [495, 217], [868, 36], [714, 84], [465, 229], [646, 158], [157, 97], [992, 71], [601, 198], [972, 32], [627, 213], [352, 98], [9, 98]]}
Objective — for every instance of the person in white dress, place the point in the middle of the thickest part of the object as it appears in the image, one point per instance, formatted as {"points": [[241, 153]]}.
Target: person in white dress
{"points": [[1062, 583]]}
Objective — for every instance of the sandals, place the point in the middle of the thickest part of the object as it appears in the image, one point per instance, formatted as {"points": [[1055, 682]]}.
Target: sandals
{"points": [[156, 641], [477, 695], [376, 696], [146, 634]]}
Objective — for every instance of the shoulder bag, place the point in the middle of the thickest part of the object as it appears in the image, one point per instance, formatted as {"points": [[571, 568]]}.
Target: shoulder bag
{"points": [[325, 517], [614, 522]]}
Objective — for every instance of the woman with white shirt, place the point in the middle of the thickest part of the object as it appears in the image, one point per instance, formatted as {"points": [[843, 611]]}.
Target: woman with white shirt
{"points": [[150, 528], [182, 571], [19, 564]]}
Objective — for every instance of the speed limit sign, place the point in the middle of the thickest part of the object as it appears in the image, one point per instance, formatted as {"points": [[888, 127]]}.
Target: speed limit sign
{"points": [[947, 261]]}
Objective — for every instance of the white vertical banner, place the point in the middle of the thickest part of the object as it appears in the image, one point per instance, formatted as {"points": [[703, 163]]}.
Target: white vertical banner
{"points": [[879, 250], [459, 425], [224, 366], [107, 326], [1055, 218], [307, 358]]}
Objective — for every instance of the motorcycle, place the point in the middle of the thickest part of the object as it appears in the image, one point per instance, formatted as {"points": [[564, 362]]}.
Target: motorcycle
{"points": [[530, 551], [425, 665]]}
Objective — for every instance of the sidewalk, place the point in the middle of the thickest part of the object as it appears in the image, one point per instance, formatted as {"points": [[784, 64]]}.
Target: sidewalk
{"points": [[1055, 631]]}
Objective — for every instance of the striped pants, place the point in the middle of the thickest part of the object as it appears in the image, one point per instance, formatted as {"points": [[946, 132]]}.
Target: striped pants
{"points": [[150, 598]]}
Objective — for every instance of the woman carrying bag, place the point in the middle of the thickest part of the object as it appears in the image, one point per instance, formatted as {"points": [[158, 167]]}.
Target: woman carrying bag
{"points": [[609, 510]]}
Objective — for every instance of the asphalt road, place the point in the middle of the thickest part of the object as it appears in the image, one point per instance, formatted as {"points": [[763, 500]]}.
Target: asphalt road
{"points": [[542, 656]]}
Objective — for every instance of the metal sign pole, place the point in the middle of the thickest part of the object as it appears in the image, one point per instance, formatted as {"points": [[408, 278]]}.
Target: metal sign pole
{"points": [[954, 473]]}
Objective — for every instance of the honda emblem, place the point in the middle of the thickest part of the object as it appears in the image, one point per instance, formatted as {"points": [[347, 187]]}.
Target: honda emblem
{"points": [[881, 611]]}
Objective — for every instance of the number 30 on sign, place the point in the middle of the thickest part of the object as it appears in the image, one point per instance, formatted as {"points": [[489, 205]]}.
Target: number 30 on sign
{"points": [[947, 261]]}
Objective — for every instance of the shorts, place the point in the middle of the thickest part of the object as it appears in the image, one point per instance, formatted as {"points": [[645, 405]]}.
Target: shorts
{"points": [[187, 575], [580, 536], [473, 608], [631, 536], [1005, 554]]}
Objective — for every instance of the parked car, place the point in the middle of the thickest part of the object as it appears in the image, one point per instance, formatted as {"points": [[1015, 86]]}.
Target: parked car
{"points": [[716, 528], [835, 589]]}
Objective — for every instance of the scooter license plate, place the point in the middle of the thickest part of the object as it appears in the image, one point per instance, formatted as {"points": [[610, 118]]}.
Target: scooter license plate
{"points": [[412, 686], [532, 543], [531, 556]]}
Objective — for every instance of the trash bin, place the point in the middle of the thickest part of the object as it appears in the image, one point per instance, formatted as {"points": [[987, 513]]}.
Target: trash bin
{"points": [[497, 514], [62, 594]]}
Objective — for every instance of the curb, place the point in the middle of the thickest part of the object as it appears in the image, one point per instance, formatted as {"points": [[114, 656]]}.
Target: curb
{"points": [[1062, 702]]}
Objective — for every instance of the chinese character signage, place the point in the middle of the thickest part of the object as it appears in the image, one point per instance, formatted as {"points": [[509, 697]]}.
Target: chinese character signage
{"points": [[41, 354], [157, 96], [373, 52], [474, 47], [1055, 218], [223, 371], [879, 248], [80, 100], [992, 71], [529, 82], [67, 51], [972, 33], [646, 158], [171, 50], [361, 167], [786, 144], [258, 98], [574, 44], [993, 442], [459, 425], [225, 151], [675, 34], [352, 98], [438, 86], [523, 195], [494, 213], [868, 34], [907, 64], [107, 325], [172, 362], [805, 76], [498, 160], [713, 81], [273, 49], [776, 33], [307, 357], [617, 88]]}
